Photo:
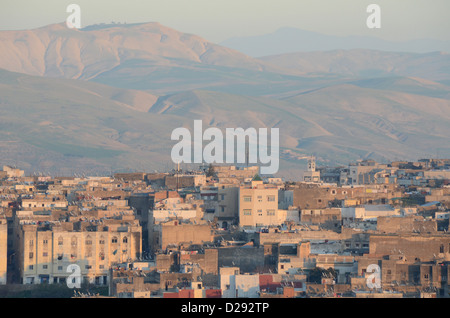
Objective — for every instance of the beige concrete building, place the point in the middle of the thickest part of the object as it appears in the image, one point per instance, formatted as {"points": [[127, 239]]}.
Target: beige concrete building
{"points": [[176, 233], [420, 247], [406, 224], [240, 174], [13, 172], [327, 218], [45, 247], [258, 205]]}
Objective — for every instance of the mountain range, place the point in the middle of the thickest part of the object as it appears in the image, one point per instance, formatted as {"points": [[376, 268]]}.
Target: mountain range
{"points": [[107, 97], [292, 40]]}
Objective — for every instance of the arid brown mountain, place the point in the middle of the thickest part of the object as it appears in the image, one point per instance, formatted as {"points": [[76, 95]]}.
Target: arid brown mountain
{"points": [[57, 51], [107, 97], [64, 126]]}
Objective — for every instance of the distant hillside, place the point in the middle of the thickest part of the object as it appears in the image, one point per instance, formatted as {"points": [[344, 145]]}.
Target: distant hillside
{"points": [[107, 97], [367, 64], [289, 40], [66, 126], [63, 125]]}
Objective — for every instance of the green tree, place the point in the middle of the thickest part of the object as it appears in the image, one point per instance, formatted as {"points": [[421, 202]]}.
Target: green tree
{"points": [[211, 171], [315, 276]]}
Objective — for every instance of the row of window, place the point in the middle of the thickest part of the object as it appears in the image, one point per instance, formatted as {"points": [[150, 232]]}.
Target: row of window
{"points": [[270, 198], [259, 212], [87, 242], [60, 268], [73, 255]]}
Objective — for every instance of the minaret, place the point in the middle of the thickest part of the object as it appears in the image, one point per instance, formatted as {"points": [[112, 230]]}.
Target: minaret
{"points": [[312, 164]]}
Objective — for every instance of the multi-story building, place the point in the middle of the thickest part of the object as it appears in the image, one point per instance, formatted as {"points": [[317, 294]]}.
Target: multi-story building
{"points": [[46, 246], [227, 211], [258, 205]]}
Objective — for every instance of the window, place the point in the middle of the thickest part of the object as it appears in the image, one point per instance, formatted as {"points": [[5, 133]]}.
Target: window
{"points": [[270, 212], [125, 240], [31, 255], [31, 243], [101, 242], [247, 198], [441, 249], [222, 197], [60, 268], [114, 240], [271, 198], [247, 212], [45, 242], [74, 241], [44, 266], [60, 241], [88, 240], [102, 256], [44, 254], [30, 267]]}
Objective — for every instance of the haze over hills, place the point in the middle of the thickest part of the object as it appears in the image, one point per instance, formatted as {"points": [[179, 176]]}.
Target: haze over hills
{"points": [[290, 40], [64, 125], [433, 66], [107, 97]]}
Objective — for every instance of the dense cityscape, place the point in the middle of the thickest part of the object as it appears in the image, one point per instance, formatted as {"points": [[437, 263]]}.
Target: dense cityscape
{"points": [[365, 230]]}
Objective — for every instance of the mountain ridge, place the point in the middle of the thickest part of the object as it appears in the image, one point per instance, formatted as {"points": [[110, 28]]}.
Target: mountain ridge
{"points": [[108, 97], [108, 46], [289, 40]]}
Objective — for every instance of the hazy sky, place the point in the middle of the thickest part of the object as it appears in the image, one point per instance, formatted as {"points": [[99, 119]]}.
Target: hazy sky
{"points": [[217, 20]]}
